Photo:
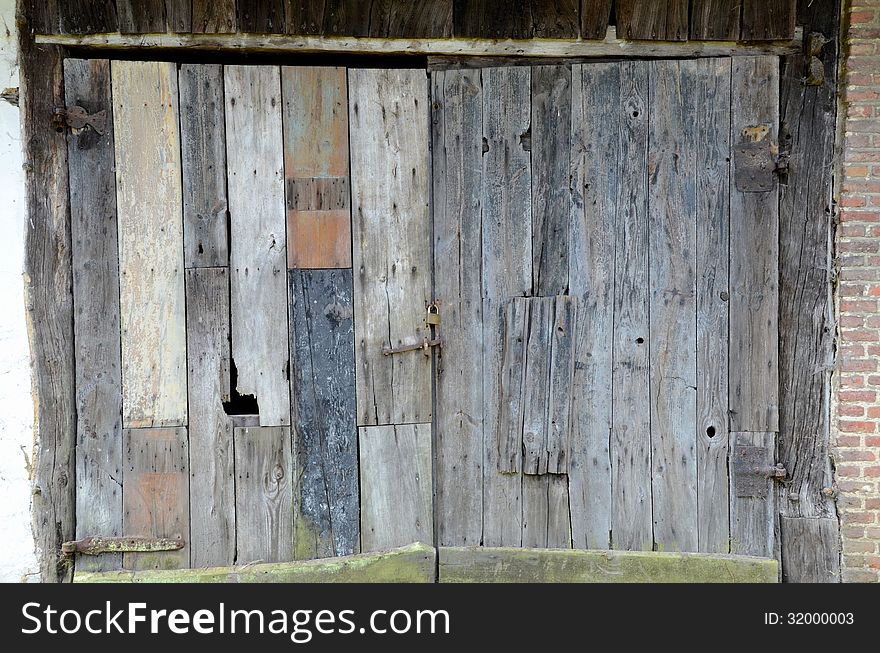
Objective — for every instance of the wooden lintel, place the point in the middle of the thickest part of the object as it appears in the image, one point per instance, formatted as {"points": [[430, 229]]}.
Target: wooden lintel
{"points": [[610, 46]]}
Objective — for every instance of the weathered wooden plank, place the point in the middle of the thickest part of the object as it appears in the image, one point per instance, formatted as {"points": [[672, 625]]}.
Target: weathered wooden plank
{"points": [[536, 385], [546, 521], [672, 198], [596, 113], [155, 492], [263, 495], [385, 18], [213, 16], [595, 15], [558, 512], [631, 520], [260, 16], [49, 305], [767, 20], [140, 16], [754, 257], [415, 563], [316, 167], [178, 16], [712, 125], [304, 16], [502, 19], [97, 348], [551, 144], [457, 128], [322, 398], [512, 386], [396, 486], [203, 155], [211, 472], [715, 20], [753, 520], [555, 19], [563, 336], [392, 237], [258, 258], [88, 17], [810, 549], [662, 20], [149, 199], [488, 565]]}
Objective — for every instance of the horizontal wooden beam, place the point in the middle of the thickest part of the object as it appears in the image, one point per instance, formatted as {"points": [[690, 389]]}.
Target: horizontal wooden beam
{"points": [[610, 47]]}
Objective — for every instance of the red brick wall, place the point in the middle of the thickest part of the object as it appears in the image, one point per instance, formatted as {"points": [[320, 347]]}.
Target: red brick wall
{"points": [[857, 378]]}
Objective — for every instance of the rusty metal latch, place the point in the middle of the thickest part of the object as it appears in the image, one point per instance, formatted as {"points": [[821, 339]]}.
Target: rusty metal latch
{"points": [[96, 545], [756, 160], [425, 346], [751, 472], [77, 118]]}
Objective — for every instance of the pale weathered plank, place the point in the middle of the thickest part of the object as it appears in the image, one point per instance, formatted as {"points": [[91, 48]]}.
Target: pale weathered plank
{"points": [[563, 336], [810, 549], [263, 495], [155, 491], [672, 200], [396, 486], [95, 258], [754, 523], [558, 512], [536, 386], [203, 154], [712, 124], [512, 386], [754, 259], [631, 525], [322, 398], [258, 258], [391, 231], [149, 199], [457, 124], [316, 156], [211, 471], [596, 114], [535, 510]]}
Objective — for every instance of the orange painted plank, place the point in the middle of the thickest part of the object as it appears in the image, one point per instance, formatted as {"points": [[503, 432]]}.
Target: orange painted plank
{"points": [[318, 239]]}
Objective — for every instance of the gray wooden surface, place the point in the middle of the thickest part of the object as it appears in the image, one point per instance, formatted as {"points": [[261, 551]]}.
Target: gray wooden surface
{"points": [[754, 521], [512, 386], [810, 549], [258, 258], [536, 385], [563, 336]]}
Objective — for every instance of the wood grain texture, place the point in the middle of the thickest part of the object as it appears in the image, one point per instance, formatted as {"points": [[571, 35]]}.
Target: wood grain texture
{"points": [[754, 521], [512, 385], [555, 19], [663, 20], [457, 128], [140, 16], [88, 17], [263, 494], [595, 15], [754, 259], [178, 16], [316, 167], [810, 549], [203, 155], [97, 348], [258, 259], [213, 16], [304, 16], [535, 386], [49, 306], [211, 472], [385, 18], [510, 19], [149, 199], [155, 491], [260, 16], [322, 391], [712, 125], [767, 20], [596, 114], [631, 521], [392, 238], [715, 20], [672, 198], [563, 337], [396, 485], [546, 520]]}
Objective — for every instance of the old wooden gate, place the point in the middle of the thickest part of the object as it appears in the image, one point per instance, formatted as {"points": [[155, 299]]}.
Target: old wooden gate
{"points": [[324, 310]]}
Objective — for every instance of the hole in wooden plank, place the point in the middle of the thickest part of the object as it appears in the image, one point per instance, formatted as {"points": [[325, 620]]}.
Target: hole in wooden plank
{"points": [[239, 404], [640, 340], [710, 431]]}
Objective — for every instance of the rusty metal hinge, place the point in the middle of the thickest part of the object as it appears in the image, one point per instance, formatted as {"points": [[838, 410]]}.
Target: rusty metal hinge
{"points": [[751, 473], [96, 545], [77, 118], [425, 346], [757, 160]]}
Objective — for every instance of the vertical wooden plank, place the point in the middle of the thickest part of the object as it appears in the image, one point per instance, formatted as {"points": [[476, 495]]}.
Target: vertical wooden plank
{"points": [[563, 336], [395, 474], [258, 258], [155, 491], [315, 160], [149, 198], [141, 16], [88, 17], [211, 472], [203, 153], [715, 20], [97, 347], [754, 258], [631, 510], [555, 19], [392, 236], [712, 123], [810, 549], [558, 512], [753, 519], [662, 20], [304, 16], [512, 386], [322, 391], [500, 19], [507, 272], [536, 385], [263, 495], [535, 510], [457, 123], [768, 20], [178, 16], [595, 134], [595, 15], [260, 16], [213, 16], [672, 201]]}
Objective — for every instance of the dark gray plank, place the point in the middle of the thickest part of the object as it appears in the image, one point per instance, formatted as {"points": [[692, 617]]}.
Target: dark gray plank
{"points": [[493, 19], [263, 495], [810, 549], [563, 337], [178, 16], [305, 16], [555, 19], [551, 144], [662, 20], [88, 17], [594, 18], [715, 20], [212, 476], [387, 18], [753, 519], [260, 16], [322, 400], [213, 16], [140, 16], [536, 385], [457, 128], [95, 257], [203, 158], [596, 113], [768, 20]]}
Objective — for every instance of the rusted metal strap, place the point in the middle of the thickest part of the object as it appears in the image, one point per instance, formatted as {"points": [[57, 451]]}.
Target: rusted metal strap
{"points": [[95, 545], [424, 346]]}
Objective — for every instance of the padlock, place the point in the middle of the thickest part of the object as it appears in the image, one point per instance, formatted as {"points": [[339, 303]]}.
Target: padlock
{"points": [[433, 317]]}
